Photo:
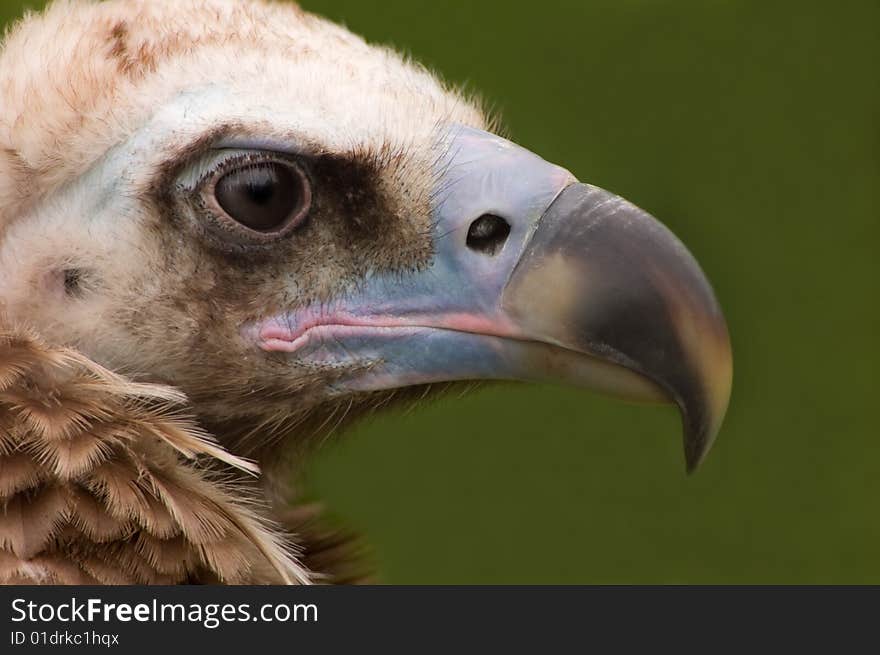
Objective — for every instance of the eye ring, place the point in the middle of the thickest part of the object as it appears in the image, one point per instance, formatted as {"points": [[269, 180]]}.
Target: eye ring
{"points": [[258, 197]]}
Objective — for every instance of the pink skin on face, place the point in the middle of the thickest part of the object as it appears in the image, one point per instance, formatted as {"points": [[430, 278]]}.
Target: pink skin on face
{"points": [[292, 332]]}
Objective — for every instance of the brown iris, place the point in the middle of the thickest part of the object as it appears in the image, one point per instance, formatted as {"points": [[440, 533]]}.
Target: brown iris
{"points": [[264, 196]]}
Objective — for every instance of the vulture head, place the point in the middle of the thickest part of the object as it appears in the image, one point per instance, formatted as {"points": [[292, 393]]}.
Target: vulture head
{"points": [[249, 204]]}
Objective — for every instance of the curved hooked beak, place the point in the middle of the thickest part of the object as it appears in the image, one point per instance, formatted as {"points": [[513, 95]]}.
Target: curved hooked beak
{"points": [[535, 277], [602, 277]]}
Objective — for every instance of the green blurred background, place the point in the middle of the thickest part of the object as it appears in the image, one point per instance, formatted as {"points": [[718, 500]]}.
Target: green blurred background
{"points": [[752, 128]]}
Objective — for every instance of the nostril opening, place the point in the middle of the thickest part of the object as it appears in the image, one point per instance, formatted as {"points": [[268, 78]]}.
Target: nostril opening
{"points": [[487, 234]]}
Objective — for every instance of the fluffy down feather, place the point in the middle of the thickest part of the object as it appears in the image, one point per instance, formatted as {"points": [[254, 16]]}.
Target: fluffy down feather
{"points": [[102, 480]]}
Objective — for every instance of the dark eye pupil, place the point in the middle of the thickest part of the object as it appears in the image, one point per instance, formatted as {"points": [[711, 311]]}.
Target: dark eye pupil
{"points": [[262, 190], [261, 196]]}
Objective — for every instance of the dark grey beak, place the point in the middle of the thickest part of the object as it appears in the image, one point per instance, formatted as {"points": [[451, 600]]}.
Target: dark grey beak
{"points": [[600, 276]]}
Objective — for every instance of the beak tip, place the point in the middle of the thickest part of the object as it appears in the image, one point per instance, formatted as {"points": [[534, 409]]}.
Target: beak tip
{"points": [[694, 453], [697, 444], [703, 422]]}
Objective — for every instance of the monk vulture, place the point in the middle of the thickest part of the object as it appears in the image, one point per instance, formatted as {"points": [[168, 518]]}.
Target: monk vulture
{"points": [[227, 228]]}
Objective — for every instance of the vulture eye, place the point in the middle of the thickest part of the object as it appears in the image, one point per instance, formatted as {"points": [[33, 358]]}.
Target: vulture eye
{"points": [[268, 197]]}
